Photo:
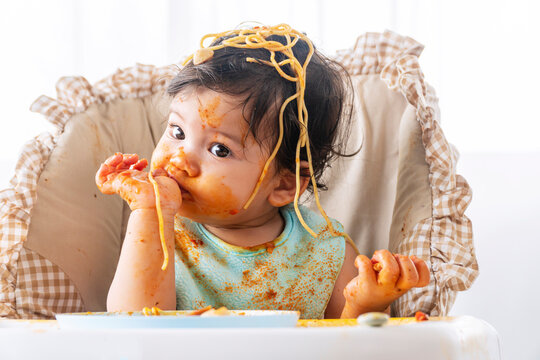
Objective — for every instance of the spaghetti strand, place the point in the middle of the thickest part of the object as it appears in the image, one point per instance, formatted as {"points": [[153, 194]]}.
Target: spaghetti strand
{"points": [[160, 221]]}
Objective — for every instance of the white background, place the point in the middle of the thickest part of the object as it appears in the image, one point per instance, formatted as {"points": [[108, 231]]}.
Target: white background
{"points": [[482, 57]]}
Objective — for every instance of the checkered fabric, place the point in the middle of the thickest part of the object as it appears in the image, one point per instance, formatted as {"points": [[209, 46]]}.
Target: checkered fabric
{"points": [[445, 239], [43, 289], [30, 285]]}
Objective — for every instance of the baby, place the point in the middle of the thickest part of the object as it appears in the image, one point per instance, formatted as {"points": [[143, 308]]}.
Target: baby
{"points": [[238, 151]]}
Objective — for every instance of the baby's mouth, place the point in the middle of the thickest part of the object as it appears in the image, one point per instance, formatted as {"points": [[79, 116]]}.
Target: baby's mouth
{"points": [[182, 188], [186, 195], [183, 191]]}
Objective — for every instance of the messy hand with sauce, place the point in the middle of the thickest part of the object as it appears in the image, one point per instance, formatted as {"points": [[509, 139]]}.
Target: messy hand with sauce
{"points": [[139, 270], [124, 174], [381, 280]]}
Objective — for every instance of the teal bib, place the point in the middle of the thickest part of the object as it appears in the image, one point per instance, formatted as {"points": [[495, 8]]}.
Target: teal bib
{"points": [[293, 272]]}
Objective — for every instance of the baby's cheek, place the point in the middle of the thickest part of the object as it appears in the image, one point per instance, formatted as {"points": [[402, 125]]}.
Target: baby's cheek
{"points": [[217, 199], [224, 202]]}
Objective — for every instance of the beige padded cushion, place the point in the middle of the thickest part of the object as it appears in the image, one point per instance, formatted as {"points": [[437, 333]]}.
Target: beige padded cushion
{"points": [[413, 196], [82, 232], [362, 189]]}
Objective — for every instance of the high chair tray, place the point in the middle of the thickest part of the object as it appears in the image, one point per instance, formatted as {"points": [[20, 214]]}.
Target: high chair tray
{"points": [[177, 319], [463, 338]]}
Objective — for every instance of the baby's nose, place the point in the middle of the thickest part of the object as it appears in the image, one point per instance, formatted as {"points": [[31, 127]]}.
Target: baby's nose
{"points": [[186, 162]]}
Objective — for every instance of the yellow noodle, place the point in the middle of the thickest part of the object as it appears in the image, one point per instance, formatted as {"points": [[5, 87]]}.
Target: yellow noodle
{"points": [[151, 311], [274, 152], [160, 220]]}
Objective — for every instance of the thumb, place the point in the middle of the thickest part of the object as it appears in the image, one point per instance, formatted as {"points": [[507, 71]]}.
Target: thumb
{"points": [[365, 268]]}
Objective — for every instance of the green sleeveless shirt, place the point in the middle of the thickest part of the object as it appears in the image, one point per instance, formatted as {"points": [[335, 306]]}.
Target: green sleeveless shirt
{"points": [[293, 272]]}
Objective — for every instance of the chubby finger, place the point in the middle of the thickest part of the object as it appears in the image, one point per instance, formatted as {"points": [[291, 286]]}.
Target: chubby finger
{"points": [[102, 179], [139, 165], [422, 270], [127, 161], [408, 276], [100, 174], [365, 268], [389, 273], [114, 160]]}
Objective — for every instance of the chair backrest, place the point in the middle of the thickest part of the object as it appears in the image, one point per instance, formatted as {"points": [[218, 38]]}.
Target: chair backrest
{"points": [[57, 228], [384, 189], [401, 191], [72, 234]]}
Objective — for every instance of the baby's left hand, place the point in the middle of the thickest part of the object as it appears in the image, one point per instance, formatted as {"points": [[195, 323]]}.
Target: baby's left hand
{"points": [[375, 290]]}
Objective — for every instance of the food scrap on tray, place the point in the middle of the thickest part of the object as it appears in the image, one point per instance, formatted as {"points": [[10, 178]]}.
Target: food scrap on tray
{"points": [[420, 316], [199, 311], [222, 311], [151, 311], [205, 311]]}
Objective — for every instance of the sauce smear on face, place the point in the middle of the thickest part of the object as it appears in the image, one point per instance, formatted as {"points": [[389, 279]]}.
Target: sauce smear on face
{"points": [[212, 198], [208, 113]]}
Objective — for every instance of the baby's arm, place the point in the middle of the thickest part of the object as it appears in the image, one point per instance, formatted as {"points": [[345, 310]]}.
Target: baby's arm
{"points": [[364, 290], [139, 280], [347, 273]]}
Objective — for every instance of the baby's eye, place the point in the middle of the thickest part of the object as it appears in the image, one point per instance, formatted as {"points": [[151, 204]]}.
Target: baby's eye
{"points": [[178, 133], [220, 150]]}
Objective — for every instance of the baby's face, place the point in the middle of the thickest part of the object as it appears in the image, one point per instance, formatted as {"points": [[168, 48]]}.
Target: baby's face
{"points": [[206, 150]]}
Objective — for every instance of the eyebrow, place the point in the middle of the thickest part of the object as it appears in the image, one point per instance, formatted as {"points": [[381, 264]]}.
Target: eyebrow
{"points": [[236, 139]]}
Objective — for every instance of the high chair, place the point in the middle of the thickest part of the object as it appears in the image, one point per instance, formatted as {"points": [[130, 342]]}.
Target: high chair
{"points": [[61, 238]]}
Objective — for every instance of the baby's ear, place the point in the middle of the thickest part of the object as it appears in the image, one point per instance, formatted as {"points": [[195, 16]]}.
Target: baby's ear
{"points": [[283, 192]]}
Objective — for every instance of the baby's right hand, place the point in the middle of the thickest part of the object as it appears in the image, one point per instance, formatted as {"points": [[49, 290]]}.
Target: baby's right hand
{"points": [[123, 174]]}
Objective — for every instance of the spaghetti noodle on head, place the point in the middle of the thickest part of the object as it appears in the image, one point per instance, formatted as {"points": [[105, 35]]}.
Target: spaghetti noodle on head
{"points": [[288, 88]]}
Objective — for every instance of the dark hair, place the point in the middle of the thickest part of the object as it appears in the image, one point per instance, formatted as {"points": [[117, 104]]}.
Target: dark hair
{"points": [[327, 99]]}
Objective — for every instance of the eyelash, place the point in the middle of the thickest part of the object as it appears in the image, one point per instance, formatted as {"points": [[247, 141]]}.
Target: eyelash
{"points": [[183, 136]]}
